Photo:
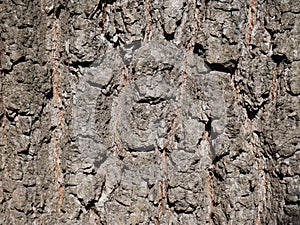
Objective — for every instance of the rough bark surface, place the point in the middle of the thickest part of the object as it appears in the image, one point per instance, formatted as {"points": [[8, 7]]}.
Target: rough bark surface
{"points": [[150, 112]]}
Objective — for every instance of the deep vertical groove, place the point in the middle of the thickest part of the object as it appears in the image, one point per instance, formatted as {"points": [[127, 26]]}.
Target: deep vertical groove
{"points": [[162, 200], [149, 20], [250, 21], [104, 14], [58, 105], [211, 198], [191, 44], [249, 131], [115, 115], [274, 86]]}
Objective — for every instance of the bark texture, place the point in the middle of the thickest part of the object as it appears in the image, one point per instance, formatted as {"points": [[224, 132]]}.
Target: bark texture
{"points": [[149, 112]]}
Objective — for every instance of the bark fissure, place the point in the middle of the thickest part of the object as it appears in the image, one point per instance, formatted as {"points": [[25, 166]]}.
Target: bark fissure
{"points": [[58, 105]]}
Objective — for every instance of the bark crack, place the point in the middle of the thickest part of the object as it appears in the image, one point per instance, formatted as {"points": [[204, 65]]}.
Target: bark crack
{"points": [[149, 20], [57, 104], [250, 21]]}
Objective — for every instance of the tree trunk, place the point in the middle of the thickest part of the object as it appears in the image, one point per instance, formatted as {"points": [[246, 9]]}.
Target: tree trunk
{"points": [[149, 112]]}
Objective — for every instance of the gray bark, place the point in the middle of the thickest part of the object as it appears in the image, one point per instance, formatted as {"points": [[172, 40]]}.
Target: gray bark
{"points": [[149, 112]]}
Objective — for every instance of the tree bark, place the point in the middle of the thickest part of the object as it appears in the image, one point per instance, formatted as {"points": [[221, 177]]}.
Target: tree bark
{"points": [[149, 112]]}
